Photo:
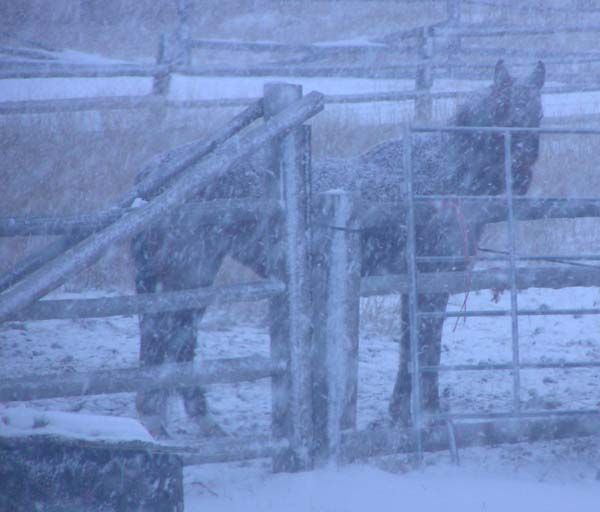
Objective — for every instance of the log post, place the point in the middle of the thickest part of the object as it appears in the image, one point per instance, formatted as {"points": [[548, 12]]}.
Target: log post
{"points": [[290, 332], [173, 51], [424, 79], [336, 280], [453, 43]]}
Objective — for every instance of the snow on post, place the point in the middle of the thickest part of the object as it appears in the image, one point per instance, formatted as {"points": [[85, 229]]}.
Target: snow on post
{"points": [[288, 255], [336, 294]]}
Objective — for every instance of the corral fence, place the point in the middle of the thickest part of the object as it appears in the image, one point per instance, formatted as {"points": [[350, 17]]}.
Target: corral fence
{"points": [[449, 50], [301, 381], [182, 172], [314, 364]]}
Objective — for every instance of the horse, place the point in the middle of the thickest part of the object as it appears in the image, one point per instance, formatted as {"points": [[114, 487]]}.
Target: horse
{"points": [[176, 257]]}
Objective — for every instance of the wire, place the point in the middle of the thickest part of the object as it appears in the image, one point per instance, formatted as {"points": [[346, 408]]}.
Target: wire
{"points": [[550, 260]]}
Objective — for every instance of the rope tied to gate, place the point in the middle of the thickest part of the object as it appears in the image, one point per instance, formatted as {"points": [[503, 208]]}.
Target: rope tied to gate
{"points": [[455, 206]]}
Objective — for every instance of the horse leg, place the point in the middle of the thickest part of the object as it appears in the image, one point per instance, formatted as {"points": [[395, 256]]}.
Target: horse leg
{"points": [[172, 260], [429, 348]]}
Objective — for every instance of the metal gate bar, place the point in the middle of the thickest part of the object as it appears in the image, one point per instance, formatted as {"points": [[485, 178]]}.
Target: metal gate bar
{"points": [[512, 273], [507, 312], [411, 252], [502, 257]]}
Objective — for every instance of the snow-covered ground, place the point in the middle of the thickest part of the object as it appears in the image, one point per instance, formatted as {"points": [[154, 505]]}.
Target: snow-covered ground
{"points": [[541, 476]]}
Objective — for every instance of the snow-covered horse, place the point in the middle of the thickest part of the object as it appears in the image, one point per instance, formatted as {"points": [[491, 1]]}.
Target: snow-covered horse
{"points": [[466, 163]]}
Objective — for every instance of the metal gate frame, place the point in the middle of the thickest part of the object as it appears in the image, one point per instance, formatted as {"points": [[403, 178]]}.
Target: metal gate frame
{"points": [[414, 314]]}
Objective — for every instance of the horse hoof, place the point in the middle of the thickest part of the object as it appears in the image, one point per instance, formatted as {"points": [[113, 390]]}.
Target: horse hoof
{"points": [[154, 425], [400, 414]]}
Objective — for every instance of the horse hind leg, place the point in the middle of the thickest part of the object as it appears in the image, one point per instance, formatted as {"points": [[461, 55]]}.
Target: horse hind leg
{"points": [[429, 348], [168, 261]]}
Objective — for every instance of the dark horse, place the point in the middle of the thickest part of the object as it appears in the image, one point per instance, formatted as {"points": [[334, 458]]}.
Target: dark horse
{"points": [[462, 163]]}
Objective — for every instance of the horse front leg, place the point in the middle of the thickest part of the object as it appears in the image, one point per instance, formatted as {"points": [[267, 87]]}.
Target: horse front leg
{"points": [[429, 348], [167, 261]]}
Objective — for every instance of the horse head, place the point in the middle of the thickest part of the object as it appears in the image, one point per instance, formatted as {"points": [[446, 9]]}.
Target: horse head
{"points": [[479, 155]]}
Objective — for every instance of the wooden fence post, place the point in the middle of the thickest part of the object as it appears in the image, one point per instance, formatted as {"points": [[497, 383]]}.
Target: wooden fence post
{"points": [[336, 267], [424, 79], [173, 51], [288, 260]]}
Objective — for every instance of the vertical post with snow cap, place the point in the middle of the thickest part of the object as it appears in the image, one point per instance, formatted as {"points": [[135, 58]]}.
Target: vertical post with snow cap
{"points": [[336, 298], [288, 259], [411, 261], [162, 79], [424, 78], [514, 317]]}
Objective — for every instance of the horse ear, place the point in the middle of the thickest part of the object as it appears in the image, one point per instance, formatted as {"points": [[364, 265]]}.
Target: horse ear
{"points": [[502, 79], [538, 77]]}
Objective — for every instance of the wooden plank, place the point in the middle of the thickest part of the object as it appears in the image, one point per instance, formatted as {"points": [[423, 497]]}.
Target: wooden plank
{"points": [[231, 211], [149, 302], [399, 71], [62, 70], [80, 104], [482, 209], [459, 282], [237, 210], [217, 212], [370, 443], [229, 450], [483, 31], [336, 266], [319, 51], [116, 103], [56, 272], [288, 260], [165, 376]]}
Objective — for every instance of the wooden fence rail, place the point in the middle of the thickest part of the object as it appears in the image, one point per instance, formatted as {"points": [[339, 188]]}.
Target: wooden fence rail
{"points": [[164, 376], [220, 212], [151, 101], [459, 282], [230, 211], [357, 445], [149, 303]]}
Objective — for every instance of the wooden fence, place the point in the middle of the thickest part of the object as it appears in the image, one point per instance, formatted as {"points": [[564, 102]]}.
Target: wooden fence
{"points": [[429, 53], [167, 183], [314, 375], [300, 382]]}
